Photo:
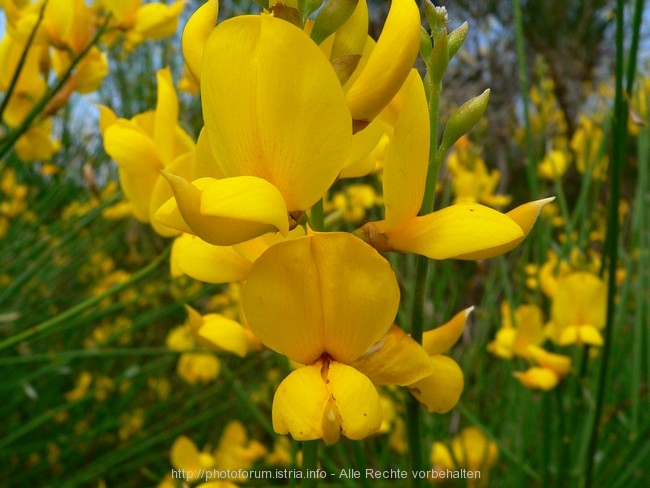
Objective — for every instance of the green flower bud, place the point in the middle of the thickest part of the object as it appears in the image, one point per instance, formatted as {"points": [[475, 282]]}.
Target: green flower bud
{"points": [[462, 121]]}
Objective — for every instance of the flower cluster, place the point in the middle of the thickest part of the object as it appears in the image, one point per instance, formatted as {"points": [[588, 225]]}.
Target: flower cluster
{"points": [[290, 106]]}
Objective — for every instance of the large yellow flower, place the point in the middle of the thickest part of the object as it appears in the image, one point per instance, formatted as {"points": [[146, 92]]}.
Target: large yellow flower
{"points": [[325, 301], [277, 129], [462, 231]]}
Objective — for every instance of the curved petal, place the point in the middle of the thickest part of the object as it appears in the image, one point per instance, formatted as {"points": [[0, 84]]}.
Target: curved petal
{"points": [[407, 156], [351, 37], [390, 62], [182, 166], [185, 455], [440, 391], [440, 339], [226, 212], [133, 150], [164, 134], [224, 334], [284, 119], [138, 189], [207, 262], [324, 293], [357, 401], [196, 33], [395, 360], [299, 402], [463, 231], [157, 20]]}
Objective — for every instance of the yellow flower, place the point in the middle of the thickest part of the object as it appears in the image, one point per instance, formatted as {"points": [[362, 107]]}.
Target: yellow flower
{"points": [[81, 387], [463, 231], [328, 301], [235, 450], [154, 20], [588, 146], [277, 132], [554, 165], [146, 144], [514, 339], [552, 368], [471, 450], [578, 310]]}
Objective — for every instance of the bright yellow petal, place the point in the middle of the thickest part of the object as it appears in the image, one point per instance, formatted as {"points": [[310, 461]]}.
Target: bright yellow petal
{"points": [[138, 188], [590, 335], [390, 62], [524, 216], [182, 166], [274, 108], [457, 231], [166, 115], [132, 150], [205, 166], [580, 299], [357, 401], [395, 360], [228, 211], [323, 293], [299, 402], [196, 33], [248, 199], [407, 157], [157, 20], [440, 339], [207, 262], [440, 391], [224, 334]]}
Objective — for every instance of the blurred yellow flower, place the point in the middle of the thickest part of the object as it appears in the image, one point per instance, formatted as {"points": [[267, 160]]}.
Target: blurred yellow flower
{"points": [[514, 338], [578, 310]]}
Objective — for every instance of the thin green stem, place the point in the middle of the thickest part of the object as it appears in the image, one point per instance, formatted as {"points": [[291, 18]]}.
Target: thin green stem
{"points": [[317, 216], [618, 157], [310, 463], [83, 306], [531, 170]]}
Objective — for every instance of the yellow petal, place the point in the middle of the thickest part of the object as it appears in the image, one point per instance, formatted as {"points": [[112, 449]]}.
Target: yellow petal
{"points": [[390, 62], [580, 299], [557, 362], [184, 454], [182, 166], [166, 115], [440, 391], [138, 188], [274, 108], [530, 329], [407, 157], [440, 339], [463, 231], [196, 33], [299, 402], [224, 334], [357, 401], [207, 262], [323, 293], [525, 215], [473, 450], [537, 378], [395, 360], [228, 211], [205, 166], [157, 20], [132, 149], [351, 37]]}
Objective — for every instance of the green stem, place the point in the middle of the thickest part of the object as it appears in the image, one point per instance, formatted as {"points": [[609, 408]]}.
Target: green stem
{"points": [[310, 463], [618, 156], [83, 306], [531, 172]]}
